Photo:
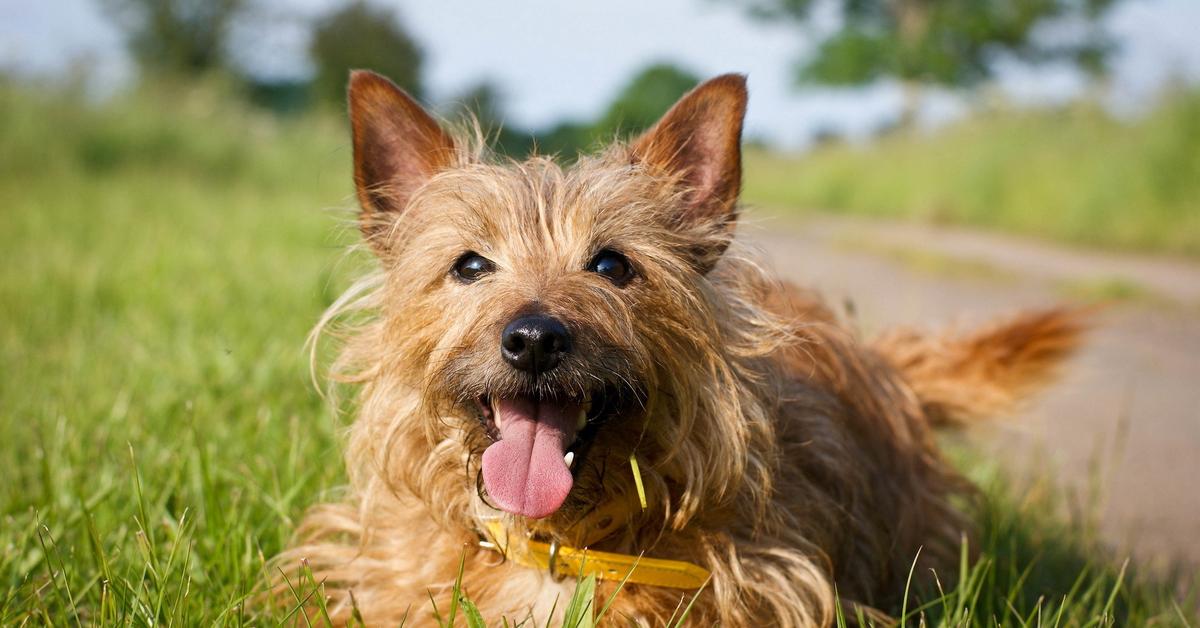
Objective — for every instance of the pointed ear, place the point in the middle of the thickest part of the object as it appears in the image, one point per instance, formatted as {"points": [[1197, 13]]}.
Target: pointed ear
{"points": [[397, 148], [700, 141]]}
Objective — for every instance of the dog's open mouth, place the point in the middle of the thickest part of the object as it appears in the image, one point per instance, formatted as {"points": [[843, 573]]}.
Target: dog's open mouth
{"points": [[528, 469]]}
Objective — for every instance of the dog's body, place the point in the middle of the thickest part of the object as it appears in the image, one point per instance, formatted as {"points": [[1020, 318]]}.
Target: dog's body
{"points": [[777, 451]]}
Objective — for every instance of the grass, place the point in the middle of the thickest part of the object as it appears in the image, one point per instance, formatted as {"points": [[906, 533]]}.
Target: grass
{"points": [[163, 260], [1074, 175], [164, 257]]}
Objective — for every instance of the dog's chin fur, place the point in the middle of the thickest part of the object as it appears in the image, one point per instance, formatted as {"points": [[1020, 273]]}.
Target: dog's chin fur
{"points": [[777, 449]]}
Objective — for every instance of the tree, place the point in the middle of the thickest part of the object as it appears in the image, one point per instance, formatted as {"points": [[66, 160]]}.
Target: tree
{"points": [[483, 103], [639, 104], [942, 42], [177, 36], [647, 96], [362, 36]]}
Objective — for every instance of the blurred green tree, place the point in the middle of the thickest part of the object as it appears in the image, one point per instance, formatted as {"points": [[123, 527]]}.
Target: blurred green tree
{"points": [[359, 35], [566, 139], [941, 42], [639, 104], [647, 96], [176, 36], [483, 104], [483, 101]]}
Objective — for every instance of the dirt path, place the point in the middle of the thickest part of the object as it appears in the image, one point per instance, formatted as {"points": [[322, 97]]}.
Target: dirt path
{"points": [[1131, 400]]}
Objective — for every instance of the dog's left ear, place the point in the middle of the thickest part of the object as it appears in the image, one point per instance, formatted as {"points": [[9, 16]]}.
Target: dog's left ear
{"points": [[700, 141]]}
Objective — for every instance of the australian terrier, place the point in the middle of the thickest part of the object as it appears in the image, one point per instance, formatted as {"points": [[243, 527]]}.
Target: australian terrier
{"points": [[567, 371]]}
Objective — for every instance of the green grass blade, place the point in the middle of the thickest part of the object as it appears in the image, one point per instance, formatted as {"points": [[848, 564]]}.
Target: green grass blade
{"points": [[579, 609]]}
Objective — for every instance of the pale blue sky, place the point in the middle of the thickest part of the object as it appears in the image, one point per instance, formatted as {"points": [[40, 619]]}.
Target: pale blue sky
{"points": [[555, 59]]}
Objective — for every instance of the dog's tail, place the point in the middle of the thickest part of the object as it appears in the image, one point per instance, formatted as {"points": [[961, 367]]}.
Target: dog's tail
{"points": [[986, 372]]}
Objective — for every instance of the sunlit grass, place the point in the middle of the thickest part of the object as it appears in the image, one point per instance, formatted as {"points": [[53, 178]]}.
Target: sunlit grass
{"points": [[164, 258], [1074, 175], [152, 316]]}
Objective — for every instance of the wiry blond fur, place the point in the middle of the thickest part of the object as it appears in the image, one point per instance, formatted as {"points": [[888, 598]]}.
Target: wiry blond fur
{"points": [[777, 450]]}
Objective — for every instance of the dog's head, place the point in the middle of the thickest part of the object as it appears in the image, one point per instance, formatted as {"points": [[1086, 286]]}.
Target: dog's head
{"points": [[560, 318]]}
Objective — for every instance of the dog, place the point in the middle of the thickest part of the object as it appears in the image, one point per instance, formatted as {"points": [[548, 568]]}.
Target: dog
{"points": [[572, 371]]}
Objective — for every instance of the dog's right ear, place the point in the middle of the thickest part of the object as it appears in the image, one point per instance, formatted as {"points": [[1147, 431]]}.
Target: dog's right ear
{"points": [[397, 148]]}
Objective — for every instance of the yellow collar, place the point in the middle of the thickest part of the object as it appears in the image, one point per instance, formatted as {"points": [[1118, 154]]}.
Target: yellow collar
{"points": [[561, 560]]}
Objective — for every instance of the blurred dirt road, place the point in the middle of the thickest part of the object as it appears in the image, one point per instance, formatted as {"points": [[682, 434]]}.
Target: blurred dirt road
{"points": [[1129, 403]]}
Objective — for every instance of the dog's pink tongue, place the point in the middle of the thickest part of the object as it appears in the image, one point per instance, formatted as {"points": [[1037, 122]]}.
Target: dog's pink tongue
{"points": [[524, 471]]}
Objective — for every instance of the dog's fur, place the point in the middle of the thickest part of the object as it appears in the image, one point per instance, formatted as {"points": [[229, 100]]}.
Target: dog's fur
{"points": [[794, 461]]}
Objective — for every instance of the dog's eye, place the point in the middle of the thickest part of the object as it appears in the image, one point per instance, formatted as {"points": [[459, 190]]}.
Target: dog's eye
{"points": [[472, 266], [612, 265]]}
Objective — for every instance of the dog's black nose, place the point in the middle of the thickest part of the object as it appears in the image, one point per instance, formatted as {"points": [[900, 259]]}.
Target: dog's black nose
{"points": [[535, 343]]}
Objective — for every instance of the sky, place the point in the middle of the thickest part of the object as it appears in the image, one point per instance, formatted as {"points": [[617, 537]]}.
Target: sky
{"points": [[556, 59]]}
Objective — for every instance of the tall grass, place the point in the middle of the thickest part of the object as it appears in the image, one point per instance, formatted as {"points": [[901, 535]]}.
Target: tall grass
{"points": [[163, 258], [1073, 174]]}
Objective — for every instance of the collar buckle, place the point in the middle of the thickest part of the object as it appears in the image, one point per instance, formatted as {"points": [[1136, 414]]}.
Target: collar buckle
{"points": [[552, 562]]}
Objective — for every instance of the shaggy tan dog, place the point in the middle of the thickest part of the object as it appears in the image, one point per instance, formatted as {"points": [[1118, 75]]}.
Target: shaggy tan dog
{"points": [[532, 328]]}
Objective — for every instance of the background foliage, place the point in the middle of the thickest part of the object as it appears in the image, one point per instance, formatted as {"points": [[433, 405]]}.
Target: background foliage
{"points": [[361, 35], [947, 42], [1073, 174]]}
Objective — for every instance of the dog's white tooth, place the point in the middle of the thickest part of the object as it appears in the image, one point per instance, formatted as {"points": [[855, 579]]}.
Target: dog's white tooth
{"points": [[582, 421], [496, 414], [569, 458]]}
